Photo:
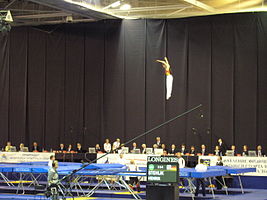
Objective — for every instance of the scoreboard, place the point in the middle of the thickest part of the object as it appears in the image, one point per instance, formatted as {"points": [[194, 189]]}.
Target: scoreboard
{"points": [[162, 169]]}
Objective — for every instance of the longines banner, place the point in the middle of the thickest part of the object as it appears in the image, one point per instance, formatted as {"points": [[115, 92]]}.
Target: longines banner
{"points": [[17, 157], [260, 163]]}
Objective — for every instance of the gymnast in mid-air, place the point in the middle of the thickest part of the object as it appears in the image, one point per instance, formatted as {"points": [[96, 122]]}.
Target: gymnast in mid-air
{"points": [[169, 77]]}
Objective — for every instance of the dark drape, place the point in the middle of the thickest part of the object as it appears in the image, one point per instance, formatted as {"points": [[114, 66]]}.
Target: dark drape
{"points": [[87, 82], [4, 88]]}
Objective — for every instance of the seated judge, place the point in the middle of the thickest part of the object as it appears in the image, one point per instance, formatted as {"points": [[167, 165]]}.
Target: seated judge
{"points": [[217, 151], [163, 146], [69, 149], [173, 150], [134, 147], [21, 147], [143, 150], [116, 145], [79, 148], [192, 151], [97, 148], [62, 147], [245, 150], [164, 153], [183, 149], [233, 148], [155, 146], [8, 147], [35, 147], [203, 151], [260, 153]]}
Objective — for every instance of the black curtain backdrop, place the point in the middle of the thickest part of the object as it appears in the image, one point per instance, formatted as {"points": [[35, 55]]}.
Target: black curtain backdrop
{"points": [[87, 82]]}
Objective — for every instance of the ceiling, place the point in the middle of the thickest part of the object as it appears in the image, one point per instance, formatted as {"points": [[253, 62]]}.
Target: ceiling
{"points": [[40, 12]]}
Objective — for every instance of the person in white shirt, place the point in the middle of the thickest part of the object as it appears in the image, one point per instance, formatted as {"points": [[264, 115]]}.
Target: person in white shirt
{"points": [[180, 160], [50, 162], [116, 144], [200, 181], [134, 180], [121, 159], [107, 146]]}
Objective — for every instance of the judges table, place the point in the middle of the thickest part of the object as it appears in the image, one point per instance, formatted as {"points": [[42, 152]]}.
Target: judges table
{"points": [[75, 157]]}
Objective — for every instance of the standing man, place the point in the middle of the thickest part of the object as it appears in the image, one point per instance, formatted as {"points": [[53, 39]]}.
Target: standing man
{"points": [[219, 179], [200, 181], [158, 142], [52, 180], [222, 146]]}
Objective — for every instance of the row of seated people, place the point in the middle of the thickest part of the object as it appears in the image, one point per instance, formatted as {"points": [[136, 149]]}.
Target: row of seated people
{"points": [[36, 148], [220, 149]]}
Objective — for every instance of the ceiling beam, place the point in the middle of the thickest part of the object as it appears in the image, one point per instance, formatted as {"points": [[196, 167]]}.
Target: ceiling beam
{"points": [[201, 5], [34, 23], [81, 8], [151, 8], [46, 15], [10, 3]]}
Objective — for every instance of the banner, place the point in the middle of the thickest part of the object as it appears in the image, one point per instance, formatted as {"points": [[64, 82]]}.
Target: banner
{"points": [[260, 163], [17, 157]]}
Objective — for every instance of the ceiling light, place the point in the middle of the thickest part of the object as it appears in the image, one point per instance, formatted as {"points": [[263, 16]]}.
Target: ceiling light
{"points": [[113, 5], [125, 7]]}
